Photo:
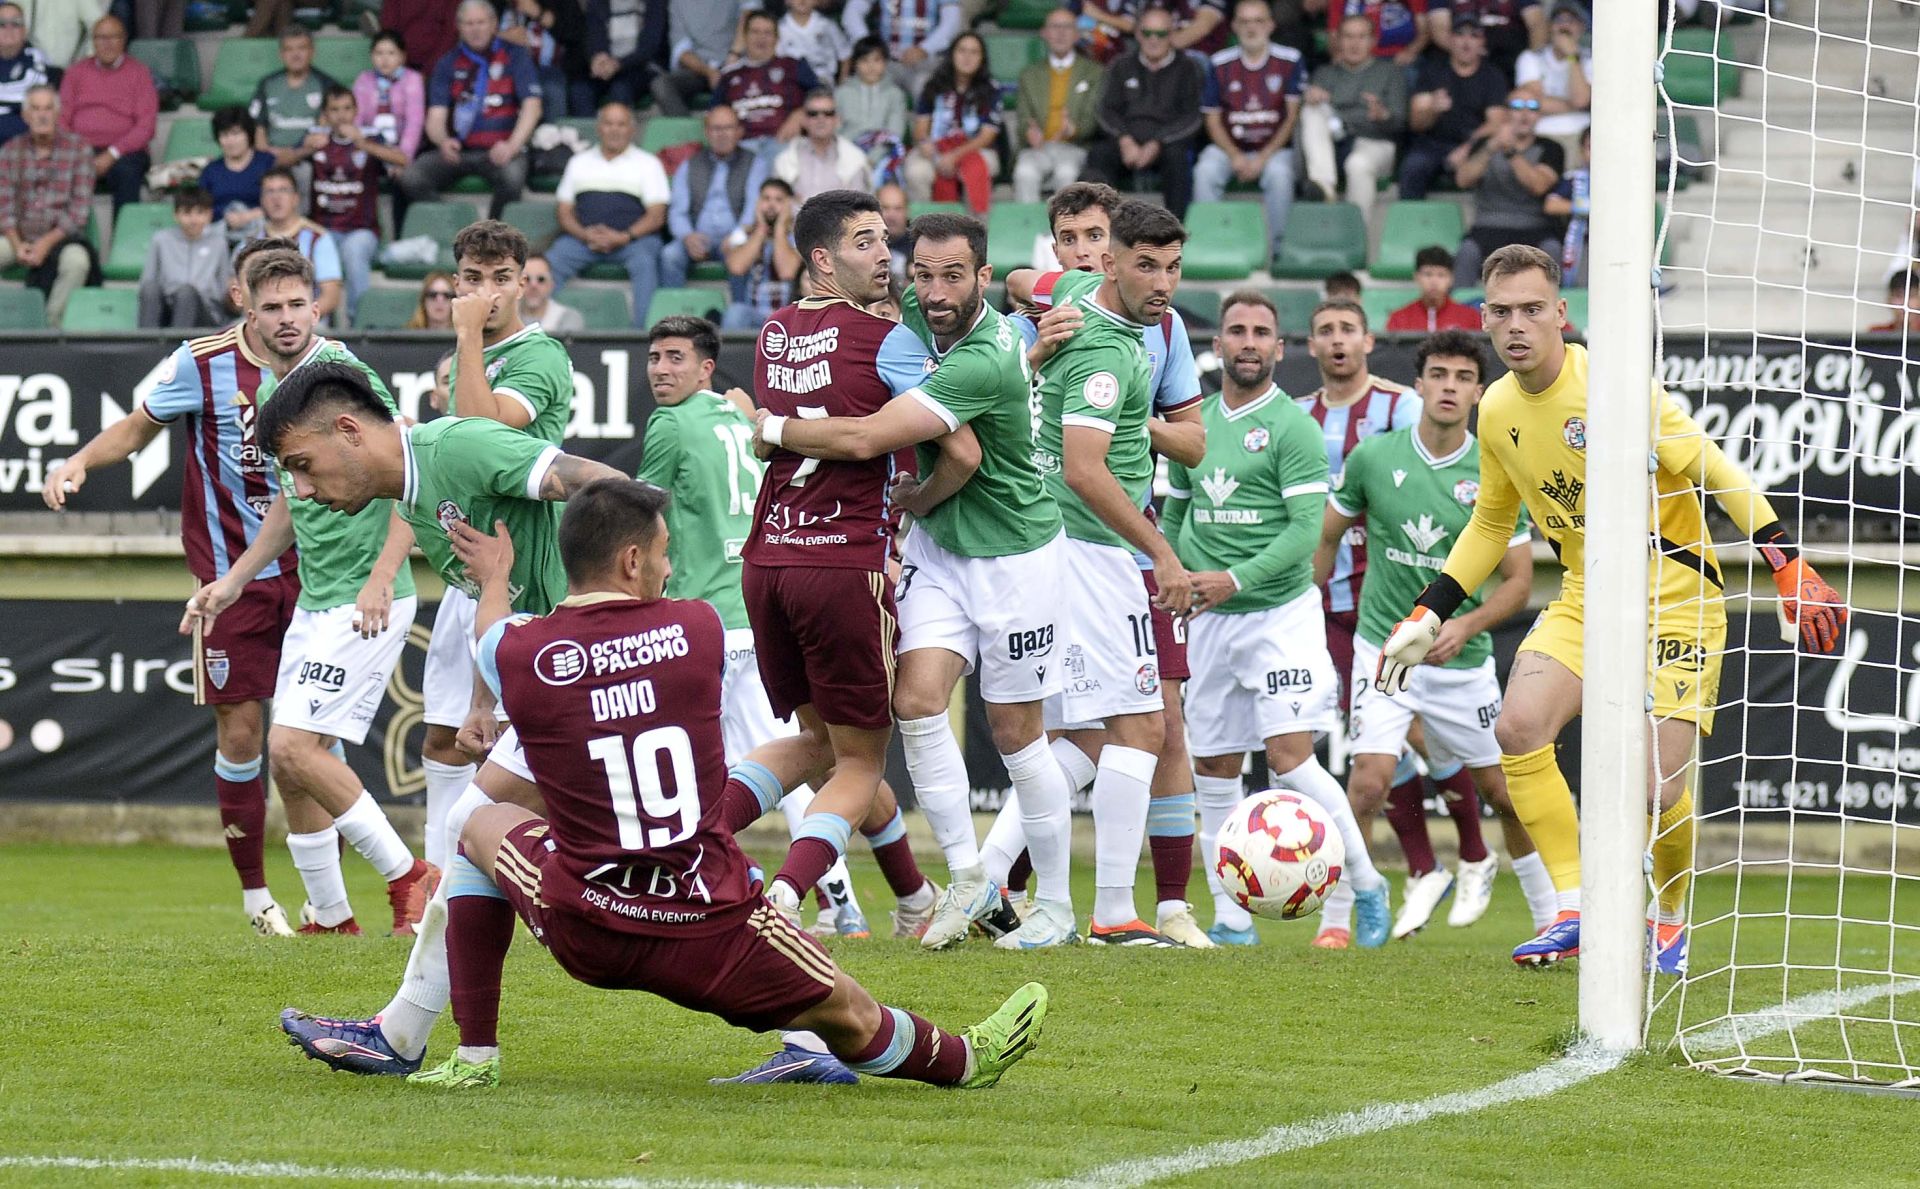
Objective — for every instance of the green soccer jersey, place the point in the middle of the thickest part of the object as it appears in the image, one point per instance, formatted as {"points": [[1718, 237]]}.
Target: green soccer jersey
{"points": [[288, 112], [478, 470], [1253, 506], [1416, 507], [530, 366], [983, 382], [701, 450], [337, 549], [1100, 379]]}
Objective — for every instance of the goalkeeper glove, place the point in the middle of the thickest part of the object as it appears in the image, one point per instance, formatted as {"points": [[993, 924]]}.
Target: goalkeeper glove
{"points": [[1407, 645], [1807, 600]]}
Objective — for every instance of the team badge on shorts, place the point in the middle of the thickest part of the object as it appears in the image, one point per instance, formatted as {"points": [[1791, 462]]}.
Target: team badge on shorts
{"points": [[218, 667], [1256, 439], [1466, 491], [1575, 433], [562, 662], [449, 514], [1146, 678]]}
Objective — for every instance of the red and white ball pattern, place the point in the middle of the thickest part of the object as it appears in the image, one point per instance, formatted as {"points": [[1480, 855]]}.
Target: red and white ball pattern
{"points": [[1279, 855]]}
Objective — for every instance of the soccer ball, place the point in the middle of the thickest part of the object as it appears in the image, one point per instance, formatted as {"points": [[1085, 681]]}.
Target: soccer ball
{"points": [[1279, 855]]}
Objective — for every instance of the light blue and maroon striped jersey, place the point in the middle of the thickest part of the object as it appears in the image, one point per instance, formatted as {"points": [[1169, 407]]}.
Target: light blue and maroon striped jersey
{"points": [[1383, 406]]}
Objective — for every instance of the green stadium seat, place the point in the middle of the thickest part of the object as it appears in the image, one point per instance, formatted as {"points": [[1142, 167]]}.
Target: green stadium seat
{"points": [[1576, 309], [191, 135], [1322, 237], [440, 220], [1382, 300], [1009, 53], [603, 309], [386, 308], [1011, 230], [692, 303], [102, 309], [1229, 240], [238, 68], [472, 183], [1025, 14], [666, 131], [342, 58], [916, 209], [1295, 306], [1411, 226], [539, 221], [175, 65], [131, 231], [22, 309], [1693, 80]]}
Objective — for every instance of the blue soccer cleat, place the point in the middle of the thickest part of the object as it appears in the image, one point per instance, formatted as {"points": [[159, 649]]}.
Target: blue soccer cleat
{"points": [[1372, 917], [1220, 934], [794, 1064], [352, 1046], [1558, 940], [1669, 946]]}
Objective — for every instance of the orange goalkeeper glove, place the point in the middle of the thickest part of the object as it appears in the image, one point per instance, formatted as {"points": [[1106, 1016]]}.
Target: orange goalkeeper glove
{"points": [[1807, 600], [1407, 645]]}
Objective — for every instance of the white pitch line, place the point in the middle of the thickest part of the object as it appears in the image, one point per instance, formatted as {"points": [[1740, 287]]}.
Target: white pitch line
{"points": [[1735, 1031], [276, 1170]]}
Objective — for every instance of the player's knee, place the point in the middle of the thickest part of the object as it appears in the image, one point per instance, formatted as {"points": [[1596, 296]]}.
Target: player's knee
{"points": [[1287, 752], [1367, 790], [1014, 726], [1493, 791], [1518, 731], [293, 755], [1219, 767], [911, 702], [1142, 732]]}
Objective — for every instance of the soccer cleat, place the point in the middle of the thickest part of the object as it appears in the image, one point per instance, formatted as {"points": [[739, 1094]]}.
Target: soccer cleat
{"points": [[1022, 904], [1134, 932], [1049, 923], [794, 1065], [995, 1043], [1669, 943], [351, 1046], [1472, 891], [849, 922], [825, 922], [1000, 920], [784, 901], [455, 1074], [1180, 926], [270, 922], [1372, 917], [964, 902], [310, 927], [409, 895], [913, 922], [1424, 894], [1332, 939], [1558, 940], [1223, 934]]}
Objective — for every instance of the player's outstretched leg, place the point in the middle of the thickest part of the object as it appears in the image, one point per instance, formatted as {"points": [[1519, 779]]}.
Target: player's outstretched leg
{"points": [[891, 1042], [479, 933]]}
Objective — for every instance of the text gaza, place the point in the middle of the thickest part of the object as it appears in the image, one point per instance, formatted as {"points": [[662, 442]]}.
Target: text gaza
{"points": [[640, 648]]}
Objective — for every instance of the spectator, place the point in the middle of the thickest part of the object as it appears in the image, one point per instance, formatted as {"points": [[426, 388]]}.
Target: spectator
{"points": [[1560, 76], [346, 190], [1511, 27], [280, 201], [60, 28], [1509, 172], [160, 19], [762, 256], [537, 304], [109, 101], [553, 32], [184, 282], [1435, 308], [428, 29], [873, 110], [286, 103], [46, 193], [612, 207], [1356, 107], [711, 196], [1150, 114], [1570, 200], [482, 106], [816, 40], [1903, 304], [270, 18], [22, 67], [1340, 286], [1198, 25], [626, 45], [765, 90], [1454, 102], [1295, 26], [820, 158], [392, 96], [233, 179], [956, 125], [915, 34], [894, 213], [1056, 106], [1251, 104], [435, 308], [1398, 28], [704, 36]]}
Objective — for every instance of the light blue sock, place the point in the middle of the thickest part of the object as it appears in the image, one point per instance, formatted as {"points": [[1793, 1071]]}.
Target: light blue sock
{"points": [[1170, 817], [465, 879], [759, 778], [892, 832]]}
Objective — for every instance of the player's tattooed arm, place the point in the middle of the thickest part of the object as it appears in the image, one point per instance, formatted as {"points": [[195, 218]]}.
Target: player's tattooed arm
{"points": [[116, 443], [274, 538], [1181, 435], [568, 473], [959, 458]]}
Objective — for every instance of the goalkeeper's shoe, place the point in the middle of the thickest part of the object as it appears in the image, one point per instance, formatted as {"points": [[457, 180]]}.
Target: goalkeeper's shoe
{"points": [[1372, 917], [351, 1046], [995, 1043], [1225, 934], [409, 895], [1424, 893], [1135, 933], [310, 925], [270, 921], [455, 1074], [1558, 940], [1668, 946], [793, 1064]]}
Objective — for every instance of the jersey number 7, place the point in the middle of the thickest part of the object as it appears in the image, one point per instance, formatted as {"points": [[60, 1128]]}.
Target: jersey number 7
{"points": [[807, 465]]}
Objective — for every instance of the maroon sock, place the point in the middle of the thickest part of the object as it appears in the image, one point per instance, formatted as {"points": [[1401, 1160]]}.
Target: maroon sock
{"points": [[1172, 864], [1020, 872], [1408, 817], [1463, 806], [479, 930], [243, 818], [934, 1056], [739, 807], [807, 860], [895, 855]]}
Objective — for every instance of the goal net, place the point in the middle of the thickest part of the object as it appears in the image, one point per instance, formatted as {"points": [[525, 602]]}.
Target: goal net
{"points": [[1787, 181]]}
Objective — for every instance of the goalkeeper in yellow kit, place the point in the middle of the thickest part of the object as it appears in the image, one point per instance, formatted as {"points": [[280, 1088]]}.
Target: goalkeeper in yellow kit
{"points": [[1533, 451]]}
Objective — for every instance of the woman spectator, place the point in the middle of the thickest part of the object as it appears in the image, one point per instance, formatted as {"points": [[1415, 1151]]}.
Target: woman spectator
{"points": [[435, 311], [955, 126], [553, 33], [234, 179], [873, 110], [392, 95]]}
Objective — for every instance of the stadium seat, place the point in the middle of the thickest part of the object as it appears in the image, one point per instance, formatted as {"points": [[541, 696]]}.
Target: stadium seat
{"points": [[1024, 14], [342, 58], [1697, 81], [1381, 300], [190, 136], [605, 309], [1009, 53], [439, 220], [1295, 306], [386, 308], [1322, 237], [1011, 230], [664, 131], [1576, 309], [916, 209], [102, 309], [24, 308], [175, 66], [538, 221], [238, 68], [1411, 226], [693, 303], [1229, 240], [131, 231]]}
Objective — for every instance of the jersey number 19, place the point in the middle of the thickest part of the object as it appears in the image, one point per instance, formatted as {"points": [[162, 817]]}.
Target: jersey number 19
{"points": [[676, 812]]}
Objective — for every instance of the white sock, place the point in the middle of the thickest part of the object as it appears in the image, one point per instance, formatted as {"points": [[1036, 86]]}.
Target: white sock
{"points": [[1217, 796], [365, 827], [1316, 782], [1337, 912], [1122, 786], [837, 883], [254, 901], [939, 774], [407, 1021], [477, 1054], [1537, 886], [794, 808], [445, 783], [809, 1041], [1567, 901], [463, 807], [1074, 762], [1046, 815], [316, 857], [1005, 840]]}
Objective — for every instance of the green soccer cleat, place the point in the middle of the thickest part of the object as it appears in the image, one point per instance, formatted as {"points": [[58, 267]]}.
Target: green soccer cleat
{"points": [[455, 1074], [1005, 1036]]}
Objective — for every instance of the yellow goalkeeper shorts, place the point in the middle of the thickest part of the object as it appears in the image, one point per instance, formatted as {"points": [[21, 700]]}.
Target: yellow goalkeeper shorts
{"points": [[1683, 664]]}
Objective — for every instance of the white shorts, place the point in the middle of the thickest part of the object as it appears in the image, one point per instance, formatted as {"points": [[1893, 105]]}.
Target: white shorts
{"points": [[1257, 675], [508, 754], [1000, 611], [447, 690], [1108, 663], [746, 720], [1457, 708], [331, 681]]}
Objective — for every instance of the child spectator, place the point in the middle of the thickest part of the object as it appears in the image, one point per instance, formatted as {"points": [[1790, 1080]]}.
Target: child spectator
{"points": [[392, 95], [184, 282], [346, 190], [234, 179]]}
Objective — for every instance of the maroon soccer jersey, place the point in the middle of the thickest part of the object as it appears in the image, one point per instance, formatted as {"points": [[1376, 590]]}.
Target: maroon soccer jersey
{"points": [[764, 96], [617, 706], [825, 357], [346, 188], [1252, 100]]}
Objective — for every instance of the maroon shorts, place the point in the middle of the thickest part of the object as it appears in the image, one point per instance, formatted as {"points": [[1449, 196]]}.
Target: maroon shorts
{"points": [[824, 637], [758, 974], [1169, 637], [1340, 629], [238, 660]]}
